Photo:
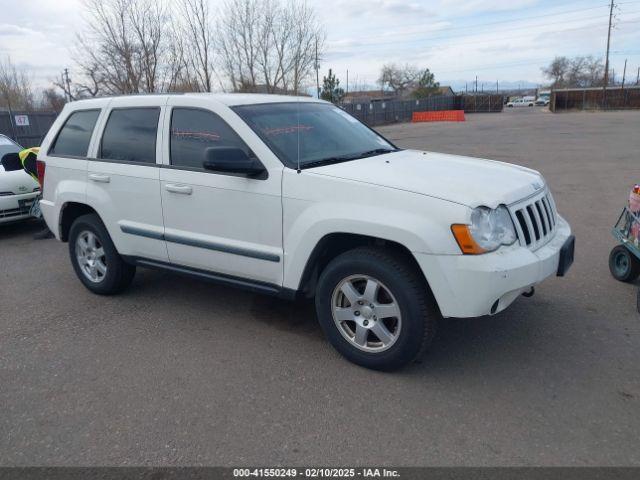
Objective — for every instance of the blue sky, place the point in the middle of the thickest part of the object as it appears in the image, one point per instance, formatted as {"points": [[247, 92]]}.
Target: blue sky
{"points": [[505, 40]]}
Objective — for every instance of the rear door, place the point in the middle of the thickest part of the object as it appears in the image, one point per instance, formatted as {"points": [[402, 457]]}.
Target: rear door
{"points": [[123, 179]]}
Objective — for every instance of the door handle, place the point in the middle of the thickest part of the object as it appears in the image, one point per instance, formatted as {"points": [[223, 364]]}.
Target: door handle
{"points": [[96, 177], [175, 188]]}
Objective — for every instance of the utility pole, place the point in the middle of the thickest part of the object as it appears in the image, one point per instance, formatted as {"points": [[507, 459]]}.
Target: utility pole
{"points": [[347, 82], [317, 70], [624, 72], [67, 83], [13, 127], [638, 77], [606, 63], [497, 87], [476, 84]]}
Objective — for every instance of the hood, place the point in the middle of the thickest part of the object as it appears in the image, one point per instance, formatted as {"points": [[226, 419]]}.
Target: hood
{"points": [[466, 180], [17, 182]]}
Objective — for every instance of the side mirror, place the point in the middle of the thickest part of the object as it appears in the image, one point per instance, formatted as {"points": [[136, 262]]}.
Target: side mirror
{"points": [[232, 160], [11, 162]]}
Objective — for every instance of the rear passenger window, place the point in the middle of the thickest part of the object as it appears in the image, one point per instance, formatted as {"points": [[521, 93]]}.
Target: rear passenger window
{"points": [[193, 131], [75, 135], [130, 135]]}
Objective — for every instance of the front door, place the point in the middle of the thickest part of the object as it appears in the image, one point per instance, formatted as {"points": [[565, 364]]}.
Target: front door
{"points": [[224, 223]]}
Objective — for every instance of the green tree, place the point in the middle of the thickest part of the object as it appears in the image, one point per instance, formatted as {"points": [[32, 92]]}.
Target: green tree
{"points": [[331, 90], [427, 85]]}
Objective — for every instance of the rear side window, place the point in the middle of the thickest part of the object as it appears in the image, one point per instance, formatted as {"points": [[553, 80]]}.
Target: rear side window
{"points": [[75, 135], [193, 131], [130, 135]]}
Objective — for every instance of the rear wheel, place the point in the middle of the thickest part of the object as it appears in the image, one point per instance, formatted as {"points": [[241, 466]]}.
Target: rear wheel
{"points": [[624, 266], [95, 259], [375, 309]]}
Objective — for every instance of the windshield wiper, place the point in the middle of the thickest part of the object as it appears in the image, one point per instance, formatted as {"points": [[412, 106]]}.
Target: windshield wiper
{"points": [[346, 158], [376, 151]]}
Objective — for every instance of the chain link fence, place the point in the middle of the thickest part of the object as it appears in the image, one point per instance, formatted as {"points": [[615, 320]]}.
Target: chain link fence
{"points": [[397, 111], [614, 98], [26, 128]]}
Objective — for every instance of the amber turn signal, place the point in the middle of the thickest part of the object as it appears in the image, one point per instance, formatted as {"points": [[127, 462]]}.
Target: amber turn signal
{"points": [[465, 241]]}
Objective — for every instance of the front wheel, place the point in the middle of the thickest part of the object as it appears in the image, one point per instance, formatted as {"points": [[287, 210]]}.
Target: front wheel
{"points": [[624, 266], [95, 259], [375, 308]]}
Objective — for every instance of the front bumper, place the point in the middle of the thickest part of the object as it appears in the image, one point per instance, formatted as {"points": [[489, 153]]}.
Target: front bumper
{"points": [[16, 207], [476, 285]]}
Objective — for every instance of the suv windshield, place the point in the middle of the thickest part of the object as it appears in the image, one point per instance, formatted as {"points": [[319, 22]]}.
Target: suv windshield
{"points": [[312, 134]]}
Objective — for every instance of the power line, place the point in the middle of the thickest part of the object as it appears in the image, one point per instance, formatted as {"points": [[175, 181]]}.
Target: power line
{"points": [[502, 38], [446, 37], [511, 20]]}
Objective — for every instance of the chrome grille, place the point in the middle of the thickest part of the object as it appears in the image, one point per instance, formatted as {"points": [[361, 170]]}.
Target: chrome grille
{"points": [[535, 220]]}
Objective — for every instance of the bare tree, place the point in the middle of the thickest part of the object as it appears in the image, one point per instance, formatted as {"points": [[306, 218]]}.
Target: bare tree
{"points": [[195, 42], [15, 86], [147, 19], [557, 71], [398, 79], [308, 36], [52, 100], [238, 42], [123, 48], [593, 72], [580, 71], [268, 45]]}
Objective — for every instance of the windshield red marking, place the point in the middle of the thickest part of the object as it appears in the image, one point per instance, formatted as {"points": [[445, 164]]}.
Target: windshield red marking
{"points": [[286, 130], [207, 135]]}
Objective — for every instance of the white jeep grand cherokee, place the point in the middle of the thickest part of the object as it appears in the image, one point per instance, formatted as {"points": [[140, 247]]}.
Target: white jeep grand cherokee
{"points": [[292, 196]]}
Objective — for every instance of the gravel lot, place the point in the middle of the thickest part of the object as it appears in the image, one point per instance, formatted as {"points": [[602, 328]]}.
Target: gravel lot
{"points": [[177, 372]]}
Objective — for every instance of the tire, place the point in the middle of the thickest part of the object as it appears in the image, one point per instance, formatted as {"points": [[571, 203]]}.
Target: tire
{"points": [[112, 274], [624, 266], [401, 289]]}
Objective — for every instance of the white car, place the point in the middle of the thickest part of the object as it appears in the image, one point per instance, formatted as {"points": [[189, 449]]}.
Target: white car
{"points": [[18, 190], [292, 196], [520, 102]]}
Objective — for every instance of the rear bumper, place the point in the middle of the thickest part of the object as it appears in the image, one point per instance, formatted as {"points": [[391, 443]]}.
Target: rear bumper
{"points": [[476, 285], [12, 207], [50, 213]]}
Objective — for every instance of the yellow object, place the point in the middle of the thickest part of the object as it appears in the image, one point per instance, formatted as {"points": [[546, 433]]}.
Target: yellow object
{"points": [[465, 240], [24, 155]]}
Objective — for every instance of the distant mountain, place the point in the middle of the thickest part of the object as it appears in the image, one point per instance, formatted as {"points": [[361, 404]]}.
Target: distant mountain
{"points": [[459, 85]]}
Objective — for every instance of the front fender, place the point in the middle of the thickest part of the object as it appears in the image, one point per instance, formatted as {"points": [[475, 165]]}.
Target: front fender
{"points": [[419, 223]]}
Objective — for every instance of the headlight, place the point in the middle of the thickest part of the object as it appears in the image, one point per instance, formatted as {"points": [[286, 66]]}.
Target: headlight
{"points": [[488, 230]]}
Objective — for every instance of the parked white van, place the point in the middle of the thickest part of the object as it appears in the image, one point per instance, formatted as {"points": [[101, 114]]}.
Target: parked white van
{"points": [[292, 196]]}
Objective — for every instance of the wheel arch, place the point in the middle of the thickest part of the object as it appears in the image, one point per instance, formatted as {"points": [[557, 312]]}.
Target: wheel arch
{"points": [[69, 212], [334, 244]]}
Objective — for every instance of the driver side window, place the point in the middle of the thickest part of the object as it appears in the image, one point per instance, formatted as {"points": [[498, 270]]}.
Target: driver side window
{"points": [[193, 131]]}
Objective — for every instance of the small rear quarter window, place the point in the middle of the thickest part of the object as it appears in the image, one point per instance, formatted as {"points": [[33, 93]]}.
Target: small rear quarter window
{"points": [[75, 135]]}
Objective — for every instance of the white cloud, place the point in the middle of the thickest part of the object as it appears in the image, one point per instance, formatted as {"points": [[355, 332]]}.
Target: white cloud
{"points": [[444, 35]]}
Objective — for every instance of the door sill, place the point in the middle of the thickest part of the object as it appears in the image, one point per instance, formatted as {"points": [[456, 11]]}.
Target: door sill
{"points": [[219, 278]]}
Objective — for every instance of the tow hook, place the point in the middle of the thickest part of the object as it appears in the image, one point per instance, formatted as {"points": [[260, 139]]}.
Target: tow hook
{"points": [[530, 293]]}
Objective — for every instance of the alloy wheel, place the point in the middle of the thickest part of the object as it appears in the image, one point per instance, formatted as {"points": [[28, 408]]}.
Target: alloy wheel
{"points": [[91, 257], [366, 313]]}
